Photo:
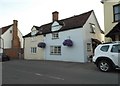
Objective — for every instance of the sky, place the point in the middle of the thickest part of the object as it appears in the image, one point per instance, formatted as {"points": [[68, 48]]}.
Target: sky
{"points": [[39, 12]]}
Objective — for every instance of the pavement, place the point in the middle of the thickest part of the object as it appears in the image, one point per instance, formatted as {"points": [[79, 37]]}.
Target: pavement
{"points": [[55, 72]]}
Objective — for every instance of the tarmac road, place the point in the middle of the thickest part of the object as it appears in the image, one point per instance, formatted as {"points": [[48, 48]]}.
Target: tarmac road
{"points": [[52, 72]]}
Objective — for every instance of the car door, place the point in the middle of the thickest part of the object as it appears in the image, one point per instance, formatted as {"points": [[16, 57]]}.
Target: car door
{"points": [[115, 54]]}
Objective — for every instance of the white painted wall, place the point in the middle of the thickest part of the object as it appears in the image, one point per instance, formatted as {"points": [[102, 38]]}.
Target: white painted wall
{"points": [[6, 40], [7, 36], [77, 53], [71, 54], [80, 37], [87, 29], [33, 42], [1, 45], [21, 38]]}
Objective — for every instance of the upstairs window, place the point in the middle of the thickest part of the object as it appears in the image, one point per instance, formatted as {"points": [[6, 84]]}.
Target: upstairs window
{"points": [[92, 26], [34, 32], [55, 35], [55, 26], [10, 31], [116, 12]]}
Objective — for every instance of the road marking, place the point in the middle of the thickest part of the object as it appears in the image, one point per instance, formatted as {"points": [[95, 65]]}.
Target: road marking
{"points": [[53, 77], [38, 74]]}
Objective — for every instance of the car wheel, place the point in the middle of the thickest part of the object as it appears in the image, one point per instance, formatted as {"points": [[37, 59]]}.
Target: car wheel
{"points": [[104, 66]]}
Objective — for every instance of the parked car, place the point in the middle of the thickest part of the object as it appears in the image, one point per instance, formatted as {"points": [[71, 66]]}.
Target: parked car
{"points": [[4, 57], [107, 56]]}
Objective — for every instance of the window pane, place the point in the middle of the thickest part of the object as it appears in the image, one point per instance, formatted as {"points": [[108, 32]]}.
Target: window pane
{"points": [[117, 9], [55, 50], [88, 46], [55, 35], [33, 49], [104, 48], [92, 28], [117, 17]]}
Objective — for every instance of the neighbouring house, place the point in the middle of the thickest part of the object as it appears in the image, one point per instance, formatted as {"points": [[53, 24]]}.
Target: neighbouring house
{"points": [[114, 34], [72, 39], [11, 40], [31, 40], [111, 20]]}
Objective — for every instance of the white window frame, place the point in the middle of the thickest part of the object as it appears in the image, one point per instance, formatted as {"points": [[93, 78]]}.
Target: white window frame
{"points": [[55, 50], [55, 35], [93, 27], [89, 47], [33, 50]]}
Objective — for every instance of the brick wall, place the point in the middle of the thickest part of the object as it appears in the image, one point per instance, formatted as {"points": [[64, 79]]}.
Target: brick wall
{"points": [[15, 39], [14, 53]]}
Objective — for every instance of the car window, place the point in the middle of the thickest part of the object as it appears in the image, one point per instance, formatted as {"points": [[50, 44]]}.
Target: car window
{"points": [[104, 48], [116, 48]]}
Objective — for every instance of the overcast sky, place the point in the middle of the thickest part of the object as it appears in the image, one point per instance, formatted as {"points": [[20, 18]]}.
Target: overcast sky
{"points": [[39, 12]]}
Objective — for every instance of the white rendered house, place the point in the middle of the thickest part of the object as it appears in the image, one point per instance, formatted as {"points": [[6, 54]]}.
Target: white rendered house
{"points": [[11, 40], [72, 39]]}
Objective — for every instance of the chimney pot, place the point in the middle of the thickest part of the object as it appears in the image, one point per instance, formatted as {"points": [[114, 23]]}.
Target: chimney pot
{"points": [[55, 16], [15, 21]]}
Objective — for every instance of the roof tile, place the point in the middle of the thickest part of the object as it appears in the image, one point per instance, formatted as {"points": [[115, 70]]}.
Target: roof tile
{"points": [[67, 24]]}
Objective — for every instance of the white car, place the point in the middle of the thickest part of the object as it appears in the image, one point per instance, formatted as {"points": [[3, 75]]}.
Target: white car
{"points": [[107, 56]]}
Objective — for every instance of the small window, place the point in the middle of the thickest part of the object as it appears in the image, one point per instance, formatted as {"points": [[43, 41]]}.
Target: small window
{"points": [[92, 28], [55, 35], [104, 48], [89, 47], [10, 31], [55, 50], [33, 50], [116, 11], [33, 33], [116, 48]]}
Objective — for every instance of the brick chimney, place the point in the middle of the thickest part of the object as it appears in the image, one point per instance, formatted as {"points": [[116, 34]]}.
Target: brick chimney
{"points": [[55, 16], [15, 40]]}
